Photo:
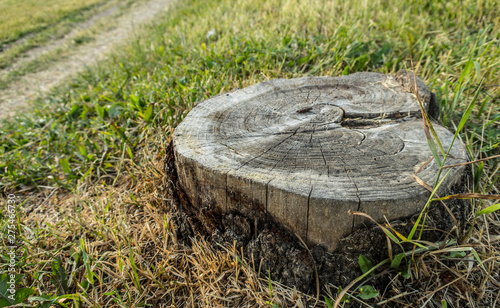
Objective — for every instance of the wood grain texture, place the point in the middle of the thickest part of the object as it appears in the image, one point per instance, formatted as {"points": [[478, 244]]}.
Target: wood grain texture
{"points": [[308, 150]]}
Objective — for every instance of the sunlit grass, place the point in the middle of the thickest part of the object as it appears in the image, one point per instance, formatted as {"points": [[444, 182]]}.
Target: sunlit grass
{"points": [[20, 17]]}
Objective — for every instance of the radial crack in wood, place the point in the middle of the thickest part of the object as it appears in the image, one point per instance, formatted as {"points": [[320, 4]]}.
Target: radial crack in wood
{"points": [[308, 150]]}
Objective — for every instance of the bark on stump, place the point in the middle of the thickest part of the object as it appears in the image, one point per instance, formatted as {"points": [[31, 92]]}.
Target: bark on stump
{"points": [[308, 150]]}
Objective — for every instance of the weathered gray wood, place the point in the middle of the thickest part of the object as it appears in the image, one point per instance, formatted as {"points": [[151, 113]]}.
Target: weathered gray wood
{"points": [[308, 150]]}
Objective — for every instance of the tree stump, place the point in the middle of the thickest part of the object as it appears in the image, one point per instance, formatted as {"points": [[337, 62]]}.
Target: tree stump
{"points": [[306, 151]]}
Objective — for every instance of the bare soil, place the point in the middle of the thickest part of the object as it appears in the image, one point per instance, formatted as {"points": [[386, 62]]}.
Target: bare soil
{"points": [[19, 93]]}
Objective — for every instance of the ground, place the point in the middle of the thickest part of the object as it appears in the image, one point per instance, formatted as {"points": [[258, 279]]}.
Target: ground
{"points": [[97, 224]]}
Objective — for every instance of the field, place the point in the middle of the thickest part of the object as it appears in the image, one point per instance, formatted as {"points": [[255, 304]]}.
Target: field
{"points": [[17, 21], [43, 58], [22, 29], [95, 221]]}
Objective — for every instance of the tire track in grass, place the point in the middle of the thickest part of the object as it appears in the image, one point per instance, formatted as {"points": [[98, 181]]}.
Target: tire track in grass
{"points": [[17, 95], [36, 52]]}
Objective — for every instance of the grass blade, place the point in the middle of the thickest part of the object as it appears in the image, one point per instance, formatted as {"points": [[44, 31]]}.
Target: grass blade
{"points": [[489, 209], [468, 111], [469, 196], [436, 187], [134, 270]]}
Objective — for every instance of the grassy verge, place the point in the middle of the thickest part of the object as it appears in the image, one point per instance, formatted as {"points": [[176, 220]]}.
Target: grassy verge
{"points": [[41, 34], [20, 18], [62, 40], [59, 41], [100, 137]]}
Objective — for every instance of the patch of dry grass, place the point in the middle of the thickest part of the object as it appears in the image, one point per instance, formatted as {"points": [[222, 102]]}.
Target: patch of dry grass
{"points": [[134, 257]]}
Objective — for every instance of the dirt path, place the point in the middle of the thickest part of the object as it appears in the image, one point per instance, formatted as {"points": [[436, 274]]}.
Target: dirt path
{"points": [[19, 93]]}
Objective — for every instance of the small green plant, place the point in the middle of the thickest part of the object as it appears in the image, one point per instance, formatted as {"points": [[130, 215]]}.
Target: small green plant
{"points": [[444, 303], [364, 264], [48, 301], [21, 295], [59, 277], [345, 298], [270, 282], [367, 292], [9, 294], [328, 302]]}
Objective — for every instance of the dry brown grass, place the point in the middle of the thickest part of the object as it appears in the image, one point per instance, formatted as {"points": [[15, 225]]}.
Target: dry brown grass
{"points": [[129, 223]]}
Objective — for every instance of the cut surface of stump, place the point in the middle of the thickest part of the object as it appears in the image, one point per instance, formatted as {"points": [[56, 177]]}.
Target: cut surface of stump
{"points": [[307, 151]]}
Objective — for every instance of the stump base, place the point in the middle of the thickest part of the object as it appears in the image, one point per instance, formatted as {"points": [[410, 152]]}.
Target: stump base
{"points": [[278, 252]]}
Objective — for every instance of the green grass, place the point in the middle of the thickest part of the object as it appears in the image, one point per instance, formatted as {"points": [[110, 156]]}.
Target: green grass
{"points": [[107, 126]]}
